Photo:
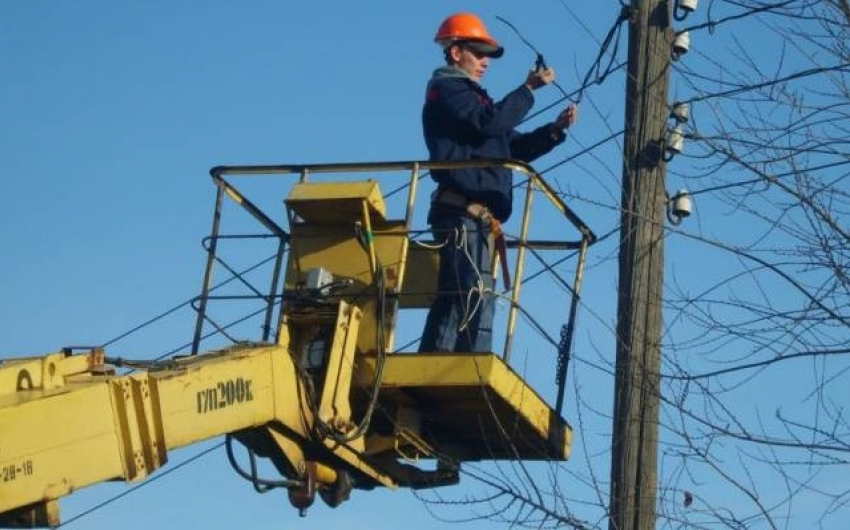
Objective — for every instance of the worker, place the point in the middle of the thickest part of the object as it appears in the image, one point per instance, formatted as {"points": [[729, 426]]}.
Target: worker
{"points": [[462, 122]]}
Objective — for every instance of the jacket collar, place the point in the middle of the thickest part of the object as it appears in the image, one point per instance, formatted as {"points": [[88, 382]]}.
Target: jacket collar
{"points": [[451, 71]]}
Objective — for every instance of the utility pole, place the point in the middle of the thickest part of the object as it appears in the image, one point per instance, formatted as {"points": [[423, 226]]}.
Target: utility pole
{"points": [[636, 398]]}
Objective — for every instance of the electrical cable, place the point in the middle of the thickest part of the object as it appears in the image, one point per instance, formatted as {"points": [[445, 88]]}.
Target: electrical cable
{"points": [[583, 151], [613, 36], [379, 278], [260, 485], [380, 363], [772, 82], [460, 240], [540, 62], [213, 333], [768, 178]]}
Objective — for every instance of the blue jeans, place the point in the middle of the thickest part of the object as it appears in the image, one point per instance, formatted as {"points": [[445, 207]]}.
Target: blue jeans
{"points": [[461, 317]]}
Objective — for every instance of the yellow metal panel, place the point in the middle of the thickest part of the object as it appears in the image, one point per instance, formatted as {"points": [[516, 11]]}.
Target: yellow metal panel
{"points": [[19, 374], [335, 408], [442, 370], [335, 202], [151, 435], [46, 372], [140, 438], [54, 443], [42, 513], [476, 405], [420, 277], [289, 390], [216, 395], [352, 454], [336, 251]]}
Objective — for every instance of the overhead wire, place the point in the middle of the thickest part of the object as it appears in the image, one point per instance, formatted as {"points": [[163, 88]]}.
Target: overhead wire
{"points": [[772, 82], [188, 302], [586, 150], [613, 36], [712, 24], [609, 47], [764, 178], [164, 473], [597, 73], [540, 62]]}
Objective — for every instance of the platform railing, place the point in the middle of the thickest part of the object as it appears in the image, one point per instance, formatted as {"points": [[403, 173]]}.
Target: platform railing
{"points": [[534, 183]]}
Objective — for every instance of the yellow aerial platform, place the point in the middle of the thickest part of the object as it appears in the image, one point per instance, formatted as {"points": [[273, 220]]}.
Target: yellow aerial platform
{"points": [[326, 398]]}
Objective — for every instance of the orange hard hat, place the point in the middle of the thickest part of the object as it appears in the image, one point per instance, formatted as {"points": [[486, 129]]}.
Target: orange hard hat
{"points": [[468, 27]]}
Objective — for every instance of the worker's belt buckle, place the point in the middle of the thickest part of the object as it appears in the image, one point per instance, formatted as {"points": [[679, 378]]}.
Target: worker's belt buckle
{"points": [[479, 211], [475, 210]]}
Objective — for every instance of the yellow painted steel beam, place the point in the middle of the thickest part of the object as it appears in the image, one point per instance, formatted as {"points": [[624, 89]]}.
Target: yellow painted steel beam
{"points": [[334, 405], [477, 407], [86, 429], [54, 442], [46, 372]]}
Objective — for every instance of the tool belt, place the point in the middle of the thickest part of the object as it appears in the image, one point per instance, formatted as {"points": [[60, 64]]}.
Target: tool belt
{"points": [[479, 211]]}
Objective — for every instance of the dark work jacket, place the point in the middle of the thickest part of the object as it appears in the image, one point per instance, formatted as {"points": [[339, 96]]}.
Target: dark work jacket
{"points": [[461, 122]]}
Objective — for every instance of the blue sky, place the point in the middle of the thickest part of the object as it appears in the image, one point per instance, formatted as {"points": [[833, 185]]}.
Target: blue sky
{"points": [[112, 114]]}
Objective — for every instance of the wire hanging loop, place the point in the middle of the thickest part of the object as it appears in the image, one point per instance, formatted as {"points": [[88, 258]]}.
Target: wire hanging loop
{"points": [[540, 62], [613, 36]]}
